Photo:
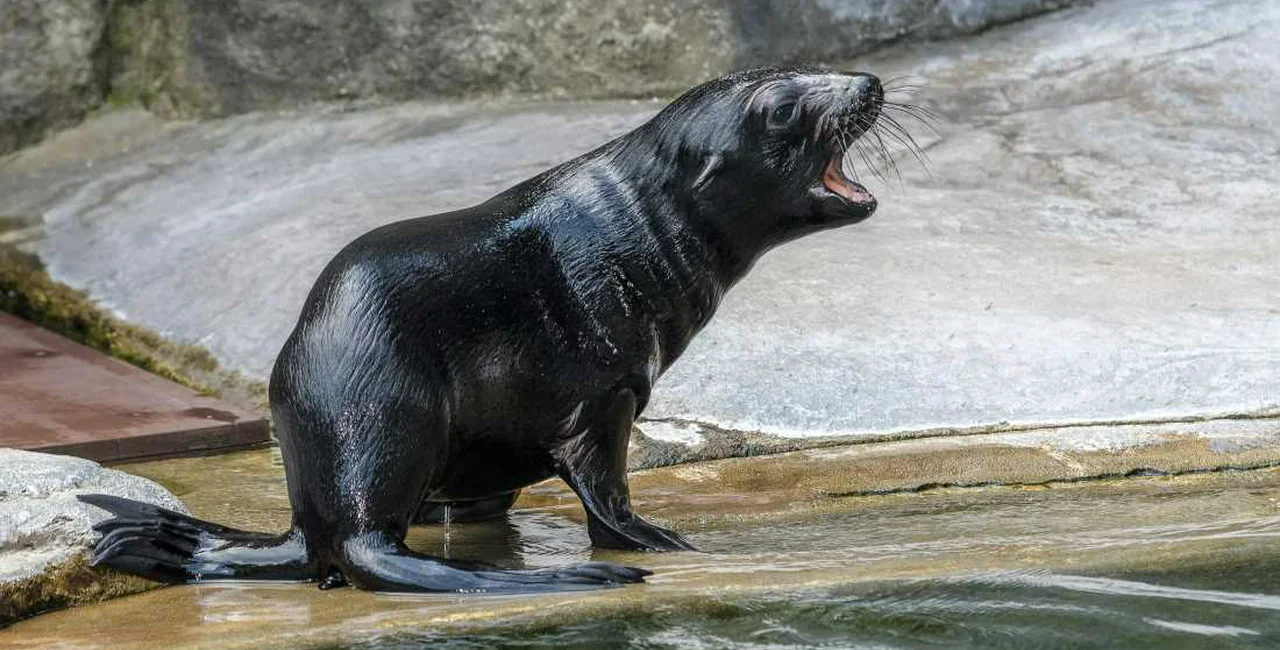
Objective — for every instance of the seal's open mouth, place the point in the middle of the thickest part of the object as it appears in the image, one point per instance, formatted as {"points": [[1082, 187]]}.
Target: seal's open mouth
{"points": [[834, 179]]}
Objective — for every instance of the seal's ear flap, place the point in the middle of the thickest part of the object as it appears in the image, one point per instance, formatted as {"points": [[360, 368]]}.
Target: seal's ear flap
{"points": [[710, 166]]}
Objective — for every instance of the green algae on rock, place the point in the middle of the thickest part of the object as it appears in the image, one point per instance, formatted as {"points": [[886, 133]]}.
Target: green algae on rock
{"points": [[27, 291], [70, 583]]}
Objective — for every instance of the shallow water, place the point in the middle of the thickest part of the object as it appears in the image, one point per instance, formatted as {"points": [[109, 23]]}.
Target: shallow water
{"points": [[1186, 562], [990, 610], [1223, 592]]}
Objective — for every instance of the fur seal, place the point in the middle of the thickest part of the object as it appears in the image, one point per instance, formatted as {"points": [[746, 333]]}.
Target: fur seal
{"points": [[456, 358]]}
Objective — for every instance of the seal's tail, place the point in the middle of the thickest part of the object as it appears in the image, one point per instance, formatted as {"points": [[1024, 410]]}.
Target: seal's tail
{"points": [[169, 546]]}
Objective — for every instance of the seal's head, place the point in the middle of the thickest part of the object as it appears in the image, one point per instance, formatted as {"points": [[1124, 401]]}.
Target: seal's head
{"points": [[770, 145]]}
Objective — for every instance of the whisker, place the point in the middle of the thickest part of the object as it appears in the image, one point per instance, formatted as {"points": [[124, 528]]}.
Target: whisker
{"points": [[914, 105], [900, 133], [874, 157], [901, 81], [897, 128], [885, 154], [919, 112], [852, 168], [862, 153], [904, 93], [927, 121], [904, 89], [918, 155]]}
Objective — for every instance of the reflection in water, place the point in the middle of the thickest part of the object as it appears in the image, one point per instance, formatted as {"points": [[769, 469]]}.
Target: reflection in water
{"points": [[997, 610], [448, 530], [229, 602], [1112, 586], [1206, 630], [521, 539]]}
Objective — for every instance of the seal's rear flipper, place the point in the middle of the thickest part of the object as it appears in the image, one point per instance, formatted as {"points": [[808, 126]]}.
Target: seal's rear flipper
{"points": [[169, 546], [378, 562]]}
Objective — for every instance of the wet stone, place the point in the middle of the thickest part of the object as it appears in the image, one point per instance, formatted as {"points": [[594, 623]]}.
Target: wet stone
{"points": [[45, 533]]}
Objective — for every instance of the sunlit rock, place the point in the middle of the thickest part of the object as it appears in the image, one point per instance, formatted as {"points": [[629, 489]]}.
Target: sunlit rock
{"points": [[45, 533]]}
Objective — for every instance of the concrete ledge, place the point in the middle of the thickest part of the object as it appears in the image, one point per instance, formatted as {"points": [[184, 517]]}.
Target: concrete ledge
{"points": [[658, 443], [1034, 457]]}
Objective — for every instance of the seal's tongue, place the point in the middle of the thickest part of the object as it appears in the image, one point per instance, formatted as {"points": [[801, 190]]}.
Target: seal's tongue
{"points": [[835, 181]]}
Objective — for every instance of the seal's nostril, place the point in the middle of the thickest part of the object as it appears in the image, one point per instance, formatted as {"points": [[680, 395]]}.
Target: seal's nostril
{"points": [[870, 85]]}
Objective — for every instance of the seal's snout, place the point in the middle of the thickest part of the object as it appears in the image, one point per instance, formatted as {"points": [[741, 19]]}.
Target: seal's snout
{"points": [[857, 98], [863, 86], [859, 101]]}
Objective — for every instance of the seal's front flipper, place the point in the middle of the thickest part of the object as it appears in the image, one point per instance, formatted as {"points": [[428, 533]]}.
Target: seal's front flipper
{"points": [[379, 562], [594, 464]]}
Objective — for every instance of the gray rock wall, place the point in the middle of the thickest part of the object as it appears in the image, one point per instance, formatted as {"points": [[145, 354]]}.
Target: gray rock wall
{"points": [[242, 55], [768, 31], [61, 58], [51, 70]]}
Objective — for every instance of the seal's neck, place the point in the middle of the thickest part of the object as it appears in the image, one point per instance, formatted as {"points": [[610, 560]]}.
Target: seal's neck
{"points": [[731, 226], [661, 250]]}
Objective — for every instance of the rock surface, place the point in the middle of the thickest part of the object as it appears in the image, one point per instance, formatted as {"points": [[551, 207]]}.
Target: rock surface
{"points": [[63, 57], [51, 68], [1097, 238], [45, 532], [792, 31], [253, 54]]}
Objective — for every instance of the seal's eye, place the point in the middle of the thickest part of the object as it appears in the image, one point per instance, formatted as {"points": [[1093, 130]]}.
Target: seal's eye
{"points": [[783, 115]]}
